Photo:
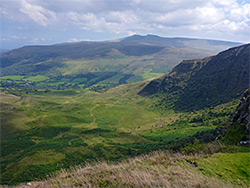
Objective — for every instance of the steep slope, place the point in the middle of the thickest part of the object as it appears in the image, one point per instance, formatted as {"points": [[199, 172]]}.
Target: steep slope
{"points": [[238, 131], [242, 113], [108, 63], [204, 82]]}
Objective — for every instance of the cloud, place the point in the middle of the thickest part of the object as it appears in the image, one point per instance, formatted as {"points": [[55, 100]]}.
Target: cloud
{"points": [[74, 40], [37, 40], [17, 37], [114, 22], [220, 19], [159, 15], [37, 13]]}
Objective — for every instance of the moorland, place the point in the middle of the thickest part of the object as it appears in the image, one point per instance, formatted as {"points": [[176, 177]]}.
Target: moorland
{"points": [[48, 127]]}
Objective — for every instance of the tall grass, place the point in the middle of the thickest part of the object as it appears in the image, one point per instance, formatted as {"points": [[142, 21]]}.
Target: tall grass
{"points": [[158, 169]]}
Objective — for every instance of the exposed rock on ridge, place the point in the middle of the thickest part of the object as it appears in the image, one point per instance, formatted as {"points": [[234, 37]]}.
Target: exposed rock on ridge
{"points": [[242, 112]]}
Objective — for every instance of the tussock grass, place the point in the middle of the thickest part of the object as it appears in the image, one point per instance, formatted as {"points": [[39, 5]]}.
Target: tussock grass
{"points": [[158, 169]]}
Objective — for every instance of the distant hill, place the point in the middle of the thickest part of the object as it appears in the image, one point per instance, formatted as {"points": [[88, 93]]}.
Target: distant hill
{"points": [[85, 64], [178, 42], [204, 82]]}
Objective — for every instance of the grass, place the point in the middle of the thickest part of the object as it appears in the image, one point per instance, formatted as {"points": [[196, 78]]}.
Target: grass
{"points": [[37, 78], [227, 166], [78, 126], [158, 169], [174, 132], [104, 72], [12, 77]]}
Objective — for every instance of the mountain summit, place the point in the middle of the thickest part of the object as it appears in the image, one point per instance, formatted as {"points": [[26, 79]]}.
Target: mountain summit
{"points": [[178, 42]]}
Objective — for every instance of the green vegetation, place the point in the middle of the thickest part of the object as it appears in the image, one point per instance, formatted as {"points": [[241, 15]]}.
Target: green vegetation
{"points": [[53, 118], [100, 64], [100, 73], [160, 169], [227, 166], [14, 77], [80, 126], [37, 78], [202, 83]]}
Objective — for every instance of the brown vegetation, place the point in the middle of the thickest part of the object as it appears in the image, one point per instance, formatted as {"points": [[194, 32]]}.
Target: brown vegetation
{"points": [[158, 169]]}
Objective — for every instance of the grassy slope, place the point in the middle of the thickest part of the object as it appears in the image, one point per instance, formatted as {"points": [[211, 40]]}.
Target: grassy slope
{"points": [[109, 68], [160, 169], [87, 72], [43, 131]]}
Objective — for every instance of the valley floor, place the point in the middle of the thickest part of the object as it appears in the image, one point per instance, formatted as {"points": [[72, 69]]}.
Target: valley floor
{"points": [[43, 131]]}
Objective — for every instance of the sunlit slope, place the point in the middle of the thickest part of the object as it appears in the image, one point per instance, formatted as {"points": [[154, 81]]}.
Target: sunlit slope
{"points": [[45, 130], [106, 64]]}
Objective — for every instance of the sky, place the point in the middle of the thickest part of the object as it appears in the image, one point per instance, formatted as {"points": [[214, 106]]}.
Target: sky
{"points": [[35, 22]]}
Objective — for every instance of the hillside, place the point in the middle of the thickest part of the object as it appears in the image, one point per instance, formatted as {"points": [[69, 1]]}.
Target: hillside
{"points": [[200, 83], [47, 129], [105, 64], [213, 165], [43, 130], [160, 169]]}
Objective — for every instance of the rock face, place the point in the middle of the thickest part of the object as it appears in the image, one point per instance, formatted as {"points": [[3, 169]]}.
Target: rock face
{"points": [[242, 112]]}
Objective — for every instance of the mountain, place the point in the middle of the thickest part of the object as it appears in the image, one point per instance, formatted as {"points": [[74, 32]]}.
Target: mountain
{"points": [[200, 83], [44, 130], [178, 42], [85, 64]]}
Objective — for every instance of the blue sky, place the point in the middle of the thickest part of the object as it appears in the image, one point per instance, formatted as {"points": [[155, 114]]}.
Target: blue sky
{"points": [[32, 22]]}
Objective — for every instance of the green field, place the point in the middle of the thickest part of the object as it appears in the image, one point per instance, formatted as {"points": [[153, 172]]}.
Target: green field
{"points": [[46, 130], [105, 72], [37, 78], [14, 77]]}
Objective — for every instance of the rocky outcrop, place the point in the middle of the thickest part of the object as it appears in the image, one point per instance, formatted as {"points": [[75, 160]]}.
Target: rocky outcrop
{"points": [[242, 112]]}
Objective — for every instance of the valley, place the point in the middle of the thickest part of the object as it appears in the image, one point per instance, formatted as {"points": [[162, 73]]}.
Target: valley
{"points": [[43, 131], [64, 113], [101, 65]]}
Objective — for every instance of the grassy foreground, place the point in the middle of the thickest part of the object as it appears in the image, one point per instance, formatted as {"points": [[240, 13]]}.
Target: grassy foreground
{"points": [[160, 169]]}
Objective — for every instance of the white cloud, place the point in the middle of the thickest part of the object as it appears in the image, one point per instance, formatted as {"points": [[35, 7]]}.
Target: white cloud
{"points": [[17, 37], [37, 40], [115, 22], [37, 13], [160, 15], [224, 19], [78, 40], [73, 40]]}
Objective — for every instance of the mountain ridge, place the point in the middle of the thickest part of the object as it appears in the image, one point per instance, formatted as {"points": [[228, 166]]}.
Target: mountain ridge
{"points": [[101, 65], [203, 81], [153, 40]]}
